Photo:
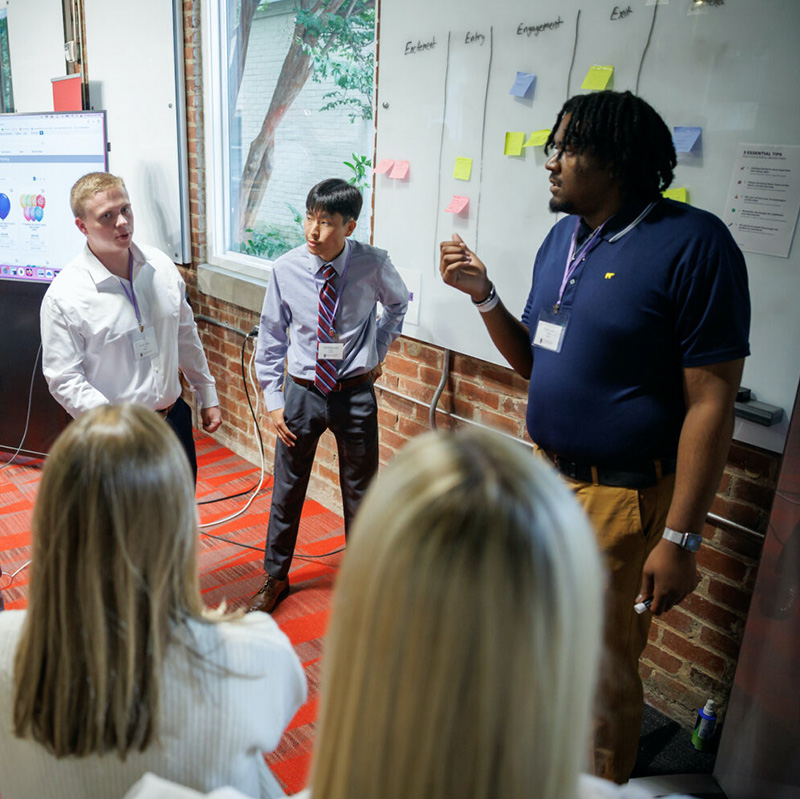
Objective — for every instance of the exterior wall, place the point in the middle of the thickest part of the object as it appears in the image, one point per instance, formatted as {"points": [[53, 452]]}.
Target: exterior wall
{"points": [[693, 650]]}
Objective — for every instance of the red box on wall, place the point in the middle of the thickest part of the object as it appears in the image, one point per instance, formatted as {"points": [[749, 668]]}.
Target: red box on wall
{"points": [[67, 93]]}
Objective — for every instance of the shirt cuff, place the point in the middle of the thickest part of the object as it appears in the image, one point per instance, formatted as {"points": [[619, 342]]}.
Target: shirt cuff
{"points": [[274, 400]]}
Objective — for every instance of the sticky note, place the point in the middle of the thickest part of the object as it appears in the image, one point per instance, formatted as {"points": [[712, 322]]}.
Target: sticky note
{"points": [[538, 138], [597, 78], [523, 85], [463, 168], [679, 194], [384, 165], [685, 138], [457, 205], [399, 170], [514, 143]]}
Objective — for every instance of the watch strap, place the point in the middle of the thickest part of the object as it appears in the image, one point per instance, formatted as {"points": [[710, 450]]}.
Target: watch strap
{"points": [[690, 541]]}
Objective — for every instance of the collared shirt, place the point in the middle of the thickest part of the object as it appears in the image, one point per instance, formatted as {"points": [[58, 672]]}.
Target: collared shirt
{"points": [[669, 294], [89, 327], [289, 316]]}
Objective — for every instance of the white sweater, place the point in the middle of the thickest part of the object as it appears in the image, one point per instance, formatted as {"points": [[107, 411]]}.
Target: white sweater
{"points": [[214, 726]]}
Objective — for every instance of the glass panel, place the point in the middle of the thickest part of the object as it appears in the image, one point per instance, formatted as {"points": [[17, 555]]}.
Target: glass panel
{"points": [[300, 85]]}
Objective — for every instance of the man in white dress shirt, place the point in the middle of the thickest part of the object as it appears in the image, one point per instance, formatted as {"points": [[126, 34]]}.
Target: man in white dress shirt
{"points": [[115, 322]]}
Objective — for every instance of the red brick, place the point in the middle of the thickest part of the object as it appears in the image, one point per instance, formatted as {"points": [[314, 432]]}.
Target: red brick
{"points": [[424, 353], [737, 512], [473, 392], [748, 546], [711, 612], [499, 421], [464, 365], [721, 563], [754, 463], [759, 494], [734, 597], [719, 642], [677, 620], [664, 660], [402, 366], [691, 653], [412, 429]]}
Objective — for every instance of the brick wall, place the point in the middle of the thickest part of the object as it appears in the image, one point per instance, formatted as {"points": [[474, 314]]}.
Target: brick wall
{"points": [[693, 649]]}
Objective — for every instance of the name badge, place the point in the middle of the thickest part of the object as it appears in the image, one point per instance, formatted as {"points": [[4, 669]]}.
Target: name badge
{"points": [[145, 344], [330, 350], [550, 329]]}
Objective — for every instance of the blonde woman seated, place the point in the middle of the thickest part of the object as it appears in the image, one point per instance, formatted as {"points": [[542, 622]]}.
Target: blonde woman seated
{"points": [[464, 640], [114, 670]]}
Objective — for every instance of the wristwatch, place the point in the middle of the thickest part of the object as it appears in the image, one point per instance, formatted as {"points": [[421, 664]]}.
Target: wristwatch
{"points": [[690, 541]]}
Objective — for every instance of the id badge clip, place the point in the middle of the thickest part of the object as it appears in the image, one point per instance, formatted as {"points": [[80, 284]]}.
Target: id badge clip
{"points": [[330, 350], [551, 329], [145, 344]]}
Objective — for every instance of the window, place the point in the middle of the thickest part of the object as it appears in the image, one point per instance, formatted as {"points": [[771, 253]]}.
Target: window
{"points": [[6, 90], [289, 87]]}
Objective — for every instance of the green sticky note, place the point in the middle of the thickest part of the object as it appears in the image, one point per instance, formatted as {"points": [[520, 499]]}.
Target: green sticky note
{"points": [[463, 168], [537, 138], [514, 143], [679, 194], [597, 78]]}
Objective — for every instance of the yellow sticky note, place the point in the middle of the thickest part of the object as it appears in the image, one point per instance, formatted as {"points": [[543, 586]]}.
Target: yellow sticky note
{"points": [[537, 138], [597, 78], [679, 194], [514, 141], [463, 168]]}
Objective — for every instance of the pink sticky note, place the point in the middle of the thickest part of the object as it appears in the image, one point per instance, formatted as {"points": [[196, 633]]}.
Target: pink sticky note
{"points": [[399, 170], [384, 165], [457, 205]]}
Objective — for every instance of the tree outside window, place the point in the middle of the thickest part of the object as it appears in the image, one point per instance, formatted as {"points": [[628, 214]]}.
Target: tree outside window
{"points": [[299, 109]]}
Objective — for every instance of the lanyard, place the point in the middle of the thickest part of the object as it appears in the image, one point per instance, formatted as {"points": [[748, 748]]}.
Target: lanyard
{"points": [[341, 286], [574, 260], [131, 295]]}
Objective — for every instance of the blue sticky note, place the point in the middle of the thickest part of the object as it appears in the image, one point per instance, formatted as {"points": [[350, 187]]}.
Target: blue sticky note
{"points": [[685, 139], [523, 85]]}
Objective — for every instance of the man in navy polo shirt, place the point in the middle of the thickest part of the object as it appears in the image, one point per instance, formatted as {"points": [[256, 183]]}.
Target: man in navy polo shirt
{"points": [[633, 337]]}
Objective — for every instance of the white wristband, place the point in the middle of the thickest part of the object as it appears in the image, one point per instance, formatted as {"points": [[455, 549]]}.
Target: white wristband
{"points": [[484, 306]]}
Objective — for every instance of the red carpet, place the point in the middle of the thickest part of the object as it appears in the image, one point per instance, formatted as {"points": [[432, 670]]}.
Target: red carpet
{"points": [[227, 571]]}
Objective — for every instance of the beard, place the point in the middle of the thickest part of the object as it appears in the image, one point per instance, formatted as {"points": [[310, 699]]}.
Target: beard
{"points": [[560, 206]]}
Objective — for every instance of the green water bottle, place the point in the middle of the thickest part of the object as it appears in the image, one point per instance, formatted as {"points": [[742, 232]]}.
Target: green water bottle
{"points": [[704, 727]]}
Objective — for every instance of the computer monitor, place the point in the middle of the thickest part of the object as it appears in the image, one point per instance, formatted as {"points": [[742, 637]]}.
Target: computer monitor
{"points": [[41, 157]]}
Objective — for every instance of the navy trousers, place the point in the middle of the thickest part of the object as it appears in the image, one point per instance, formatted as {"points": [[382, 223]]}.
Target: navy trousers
{"points": [[352, 416], [180, 420]]}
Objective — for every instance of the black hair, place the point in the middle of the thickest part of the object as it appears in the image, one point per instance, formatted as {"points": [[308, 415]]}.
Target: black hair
{"points": [[621, 129], [335, 196]]}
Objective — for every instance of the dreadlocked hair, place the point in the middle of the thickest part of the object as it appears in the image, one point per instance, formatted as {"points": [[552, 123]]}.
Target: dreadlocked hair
{"points": [[620, 129]]}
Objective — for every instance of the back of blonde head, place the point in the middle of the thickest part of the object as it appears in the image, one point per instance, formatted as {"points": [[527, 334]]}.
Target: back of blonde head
{"points": [[114, 570], [465, 632]]}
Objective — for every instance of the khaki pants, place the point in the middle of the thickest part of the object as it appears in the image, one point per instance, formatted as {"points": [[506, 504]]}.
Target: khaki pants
{"points": [[628, 523]]}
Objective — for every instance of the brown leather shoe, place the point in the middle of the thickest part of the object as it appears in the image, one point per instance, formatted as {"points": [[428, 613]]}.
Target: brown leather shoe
{"points": [[268, 596]]}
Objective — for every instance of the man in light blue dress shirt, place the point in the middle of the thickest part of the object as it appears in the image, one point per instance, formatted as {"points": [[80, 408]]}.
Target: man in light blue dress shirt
{"points": [[288, 342]]}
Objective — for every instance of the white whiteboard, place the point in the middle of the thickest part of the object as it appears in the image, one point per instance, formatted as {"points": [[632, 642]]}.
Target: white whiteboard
{"points": [[135, 77], [731, 69]]}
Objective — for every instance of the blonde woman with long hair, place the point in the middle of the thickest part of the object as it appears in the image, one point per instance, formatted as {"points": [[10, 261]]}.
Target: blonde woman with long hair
{"points": [[464, 640], [115, 669]]}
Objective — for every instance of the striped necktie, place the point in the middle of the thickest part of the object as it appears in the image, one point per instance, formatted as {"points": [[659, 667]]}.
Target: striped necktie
{"points": [[325, 371]]}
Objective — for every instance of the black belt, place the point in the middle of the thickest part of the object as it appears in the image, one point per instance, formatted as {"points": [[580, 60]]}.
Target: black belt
{"points": [[165, 411], [341, 385], [642, 475]]}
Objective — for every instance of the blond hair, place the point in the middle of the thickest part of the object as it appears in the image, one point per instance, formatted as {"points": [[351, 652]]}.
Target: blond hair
{"points": [[465, 631], [113, 577], [90, 184]]}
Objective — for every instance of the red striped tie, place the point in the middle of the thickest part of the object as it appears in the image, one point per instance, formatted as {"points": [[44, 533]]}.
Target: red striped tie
{"points": [[325, 372]]}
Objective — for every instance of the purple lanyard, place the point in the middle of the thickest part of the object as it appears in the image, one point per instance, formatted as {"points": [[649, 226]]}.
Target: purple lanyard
{"points": [[131, 295], [341, 285], [574, 260]]}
